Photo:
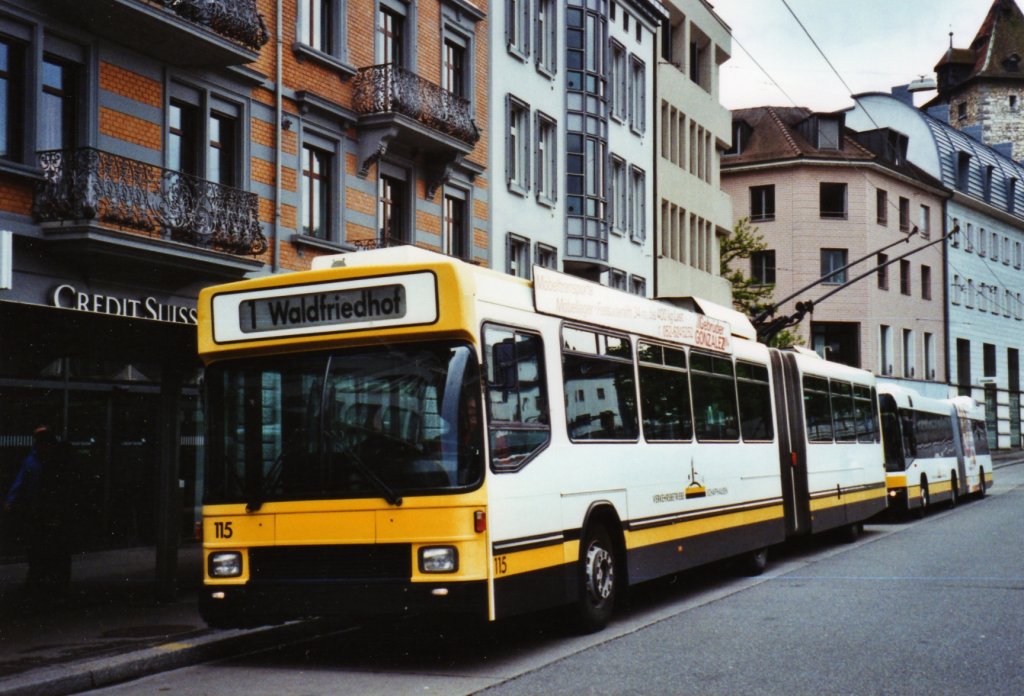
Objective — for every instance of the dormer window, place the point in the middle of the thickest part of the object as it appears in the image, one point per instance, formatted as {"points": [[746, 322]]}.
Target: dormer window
{"points": [[1011, 63], [741, 131], [987, 190], [823, 131], [963, 170]]}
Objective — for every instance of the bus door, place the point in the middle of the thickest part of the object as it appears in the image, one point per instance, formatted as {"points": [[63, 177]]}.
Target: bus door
{"points": [[963, 444], [792, 446]]}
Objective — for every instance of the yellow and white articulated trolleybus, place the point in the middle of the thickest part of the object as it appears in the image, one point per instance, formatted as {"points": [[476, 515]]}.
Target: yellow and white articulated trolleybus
{"points": [[936, 450], [398, 431]]}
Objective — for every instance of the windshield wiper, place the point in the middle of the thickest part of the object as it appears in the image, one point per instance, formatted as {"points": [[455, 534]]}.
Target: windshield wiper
{"points": [[268, 484], [389, 494]]}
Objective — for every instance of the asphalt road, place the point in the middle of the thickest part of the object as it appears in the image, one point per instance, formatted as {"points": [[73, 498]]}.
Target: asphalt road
{"points": [[922, 607]]}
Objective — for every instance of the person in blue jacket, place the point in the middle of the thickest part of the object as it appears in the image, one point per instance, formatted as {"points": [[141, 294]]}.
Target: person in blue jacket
{"points": [[37, 502]]}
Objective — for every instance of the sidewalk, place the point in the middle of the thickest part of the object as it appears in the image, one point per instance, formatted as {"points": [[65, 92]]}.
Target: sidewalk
{"points": [[110, 627]]}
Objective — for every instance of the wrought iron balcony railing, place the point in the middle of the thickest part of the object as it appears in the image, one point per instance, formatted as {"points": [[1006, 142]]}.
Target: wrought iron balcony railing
{"points": [[237, 20], [383, 89], [88, 184]]}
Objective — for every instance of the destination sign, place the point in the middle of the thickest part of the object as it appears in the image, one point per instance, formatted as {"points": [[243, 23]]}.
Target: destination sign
{"points": [[351, 305]]}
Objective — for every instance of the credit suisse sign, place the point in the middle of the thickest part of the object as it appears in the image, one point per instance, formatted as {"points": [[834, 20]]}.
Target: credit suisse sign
{"points": [[147, 307]]}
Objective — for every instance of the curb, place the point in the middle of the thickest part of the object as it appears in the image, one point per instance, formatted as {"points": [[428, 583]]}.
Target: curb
{"points": [[100, 672]]}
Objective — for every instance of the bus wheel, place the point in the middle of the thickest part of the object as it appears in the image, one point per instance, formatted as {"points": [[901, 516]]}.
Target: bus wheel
{"points": [[754, 562], [954, 496], [597, 580], [981, 490], [925, 500], [851, 532]]}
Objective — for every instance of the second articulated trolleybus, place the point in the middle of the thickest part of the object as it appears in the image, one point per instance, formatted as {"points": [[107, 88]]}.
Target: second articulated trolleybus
{"points": [[398, 431], [936, 450]]}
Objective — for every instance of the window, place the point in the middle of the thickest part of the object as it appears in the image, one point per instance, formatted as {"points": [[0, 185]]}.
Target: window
{"points": [[755, 402], [908, 353], [316, 192], [664, 393], [982, 242], [517, 27], [929, 356], [547, 159], [1006, 251], [883, 271], [904, 214], [924, 225], [12, 99], [827, 136], [762, 203], [547, 33], [961, 110], [833, 262], [844, 421], [316, 24], [963, 170], [963, 365], [546, 256], [391, 37], [638, 285], [518, 256], [593, 361], [882, 206], [833, 200], [1018, 254], [715, 412], [58, 105], [904, 276], [817, 409], [638, 205], [455, 225], [222, 156], [995, 246], [392, 210], [1011, 194], [517, 165], [619, 195], [986, 184], [182, 138], [637, 95], [517, 404], [926, 282], [616, 279], [619, 82], [885, 349], [454, 76], [988, 353], [762, 267]]}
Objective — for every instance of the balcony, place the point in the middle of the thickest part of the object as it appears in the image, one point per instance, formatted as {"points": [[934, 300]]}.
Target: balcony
{"points": [[399, 108], [177, 32], [129, 207]]}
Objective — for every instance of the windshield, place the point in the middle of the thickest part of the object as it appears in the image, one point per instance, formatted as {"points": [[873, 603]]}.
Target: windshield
{"points": [[381, 422]]}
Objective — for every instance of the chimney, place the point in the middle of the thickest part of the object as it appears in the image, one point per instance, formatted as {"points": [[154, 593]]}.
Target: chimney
{"points": [[972, 131], [940, 112], [1004, 149], [902, 93]]}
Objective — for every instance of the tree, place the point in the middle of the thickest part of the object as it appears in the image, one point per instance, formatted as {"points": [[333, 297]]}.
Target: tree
{"points": [[748, 296]]}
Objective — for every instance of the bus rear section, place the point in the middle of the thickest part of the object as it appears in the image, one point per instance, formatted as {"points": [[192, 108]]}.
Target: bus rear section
{"points": [[830, 450]]}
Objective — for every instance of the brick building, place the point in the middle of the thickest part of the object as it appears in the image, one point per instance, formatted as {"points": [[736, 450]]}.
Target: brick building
{"points": [[150, 149]]}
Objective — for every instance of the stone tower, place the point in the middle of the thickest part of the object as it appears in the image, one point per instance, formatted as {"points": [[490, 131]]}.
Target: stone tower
{"points": [[983, 85]]}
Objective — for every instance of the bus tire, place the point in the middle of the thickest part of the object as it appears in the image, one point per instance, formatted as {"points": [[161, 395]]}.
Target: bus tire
{"points": [[925, 498], [753, 563], [954, 491], [598, 583], [981, 489], [851, 532]]}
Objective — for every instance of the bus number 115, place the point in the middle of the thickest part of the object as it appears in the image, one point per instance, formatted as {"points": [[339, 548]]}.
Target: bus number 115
{"points": [[500, 566]]}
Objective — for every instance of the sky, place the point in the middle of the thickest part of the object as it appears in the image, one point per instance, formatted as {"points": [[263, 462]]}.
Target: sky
{"points": [[873, 44]]}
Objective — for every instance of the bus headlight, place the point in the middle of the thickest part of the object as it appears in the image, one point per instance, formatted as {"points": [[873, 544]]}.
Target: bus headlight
{"points": [[439, 559], [225, 564]]}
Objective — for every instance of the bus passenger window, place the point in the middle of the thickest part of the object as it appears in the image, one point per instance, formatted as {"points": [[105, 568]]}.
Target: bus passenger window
{"points": [[601, 367], [664, 393], [817, 411], [755, 402], [517, 404], [866, 413], [843, 413], [714, 398]]}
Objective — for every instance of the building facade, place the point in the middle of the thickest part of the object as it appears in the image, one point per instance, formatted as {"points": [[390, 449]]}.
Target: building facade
{"points": [[150, 149], [693, 129], [572, 88], [984, 274], [833, 205]]}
